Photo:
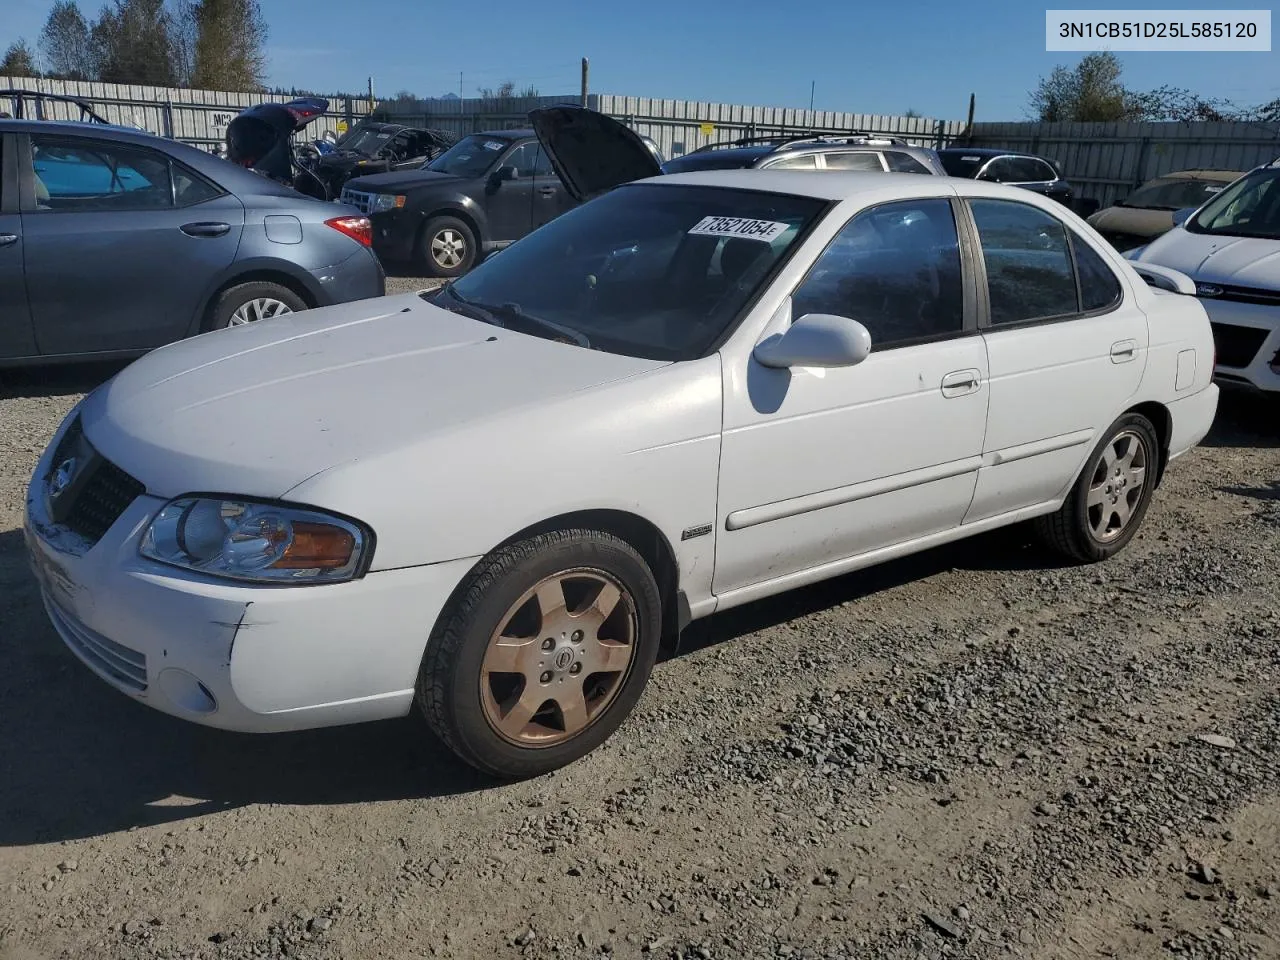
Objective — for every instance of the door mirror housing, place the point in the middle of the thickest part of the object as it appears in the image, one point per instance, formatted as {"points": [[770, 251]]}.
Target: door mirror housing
{"points": [[816, 340], [504, 173]]}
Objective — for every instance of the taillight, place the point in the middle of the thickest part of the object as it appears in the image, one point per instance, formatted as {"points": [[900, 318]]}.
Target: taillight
{"points": [[359, 229]]}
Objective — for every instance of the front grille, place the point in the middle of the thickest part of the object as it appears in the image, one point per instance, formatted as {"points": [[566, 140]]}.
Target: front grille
{"points": [[359, 199], [100, 493], [1267, 298], [1236, 346], [128, 668], [100, 503]]}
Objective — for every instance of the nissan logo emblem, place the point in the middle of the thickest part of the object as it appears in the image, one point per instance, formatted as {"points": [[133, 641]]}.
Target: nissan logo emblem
{"points": [[62, 476]]}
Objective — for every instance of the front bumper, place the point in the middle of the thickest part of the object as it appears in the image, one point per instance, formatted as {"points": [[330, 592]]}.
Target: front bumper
{"points": [[228, 655], [1247, 339]]}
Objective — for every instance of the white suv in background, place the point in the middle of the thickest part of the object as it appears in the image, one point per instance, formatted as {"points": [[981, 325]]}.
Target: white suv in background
{"points": [[1230, 247]]}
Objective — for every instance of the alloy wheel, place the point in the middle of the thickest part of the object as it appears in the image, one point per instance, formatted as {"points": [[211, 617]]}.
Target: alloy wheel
{"points": [[1117, 485], [262, 308], [448, 248], [558, 657]]}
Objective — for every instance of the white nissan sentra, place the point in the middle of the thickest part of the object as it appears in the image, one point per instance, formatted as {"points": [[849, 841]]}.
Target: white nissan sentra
{"points": [[495, 499]]}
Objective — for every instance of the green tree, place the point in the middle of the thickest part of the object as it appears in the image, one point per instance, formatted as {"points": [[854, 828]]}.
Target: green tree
{"points": [[1090, 91], [64, 41], [131, 43], [19, 61], [230, 37]]}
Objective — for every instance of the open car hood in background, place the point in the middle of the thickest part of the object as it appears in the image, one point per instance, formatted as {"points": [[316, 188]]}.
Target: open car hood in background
{"points": [[591, 152]]}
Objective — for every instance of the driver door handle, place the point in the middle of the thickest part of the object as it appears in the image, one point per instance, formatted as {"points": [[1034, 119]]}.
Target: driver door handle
{"points": [[206, 229], [8, 239], [547, 191], [961, 383]]}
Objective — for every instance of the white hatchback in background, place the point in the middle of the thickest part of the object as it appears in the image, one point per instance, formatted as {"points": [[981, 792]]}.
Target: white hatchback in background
{"points": [[1230, 248], [688, 393]]}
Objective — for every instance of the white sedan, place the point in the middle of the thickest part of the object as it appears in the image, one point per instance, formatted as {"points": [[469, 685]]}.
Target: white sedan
{"points": [[494, 500]]}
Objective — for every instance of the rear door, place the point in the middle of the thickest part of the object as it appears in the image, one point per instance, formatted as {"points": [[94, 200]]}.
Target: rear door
{"points": [[1066, 345], [120, 242], [16, 339], [550, 197]]}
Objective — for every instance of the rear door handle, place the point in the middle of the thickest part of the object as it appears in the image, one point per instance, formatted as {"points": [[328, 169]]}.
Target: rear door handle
{"points": [[206, 229], [961, 383], [8, 239], [1123, 351], [547, 191]]}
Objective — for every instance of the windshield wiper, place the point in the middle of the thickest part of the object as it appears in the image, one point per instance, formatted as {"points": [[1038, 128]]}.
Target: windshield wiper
{"points": [[511, 316]]}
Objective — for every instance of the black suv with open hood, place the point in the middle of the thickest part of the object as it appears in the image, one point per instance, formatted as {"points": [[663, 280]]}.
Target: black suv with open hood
{"points": [[489, 190]]}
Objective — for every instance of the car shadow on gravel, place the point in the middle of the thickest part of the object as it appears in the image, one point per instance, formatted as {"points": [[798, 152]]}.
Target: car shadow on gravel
{"points": [[1245, 419], [56, 381], [78, 759]]}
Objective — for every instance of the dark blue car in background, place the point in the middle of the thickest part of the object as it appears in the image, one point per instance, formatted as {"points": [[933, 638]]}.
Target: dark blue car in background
{"points": [[115, 241]]}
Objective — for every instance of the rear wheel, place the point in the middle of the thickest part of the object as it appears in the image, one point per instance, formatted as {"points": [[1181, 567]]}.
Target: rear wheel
{"points": [[251, 302], [1106, 506], [543, 653], [447, 247]]}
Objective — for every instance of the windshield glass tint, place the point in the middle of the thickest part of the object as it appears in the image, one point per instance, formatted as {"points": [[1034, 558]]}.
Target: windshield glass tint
{"points": [[659, 272], [469, 157], [1172, 194], [961, 164], [1248, 208]]}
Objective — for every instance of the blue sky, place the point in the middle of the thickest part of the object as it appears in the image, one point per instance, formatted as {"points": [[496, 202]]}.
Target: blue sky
{"points": [[864, 57]]}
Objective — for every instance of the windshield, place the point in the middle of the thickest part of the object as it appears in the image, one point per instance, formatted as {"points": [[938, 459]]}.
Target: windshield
{"points": [[659, 272], [1172, 194], [1250, 207], [469, 157], [960, 164], [368, 141]]}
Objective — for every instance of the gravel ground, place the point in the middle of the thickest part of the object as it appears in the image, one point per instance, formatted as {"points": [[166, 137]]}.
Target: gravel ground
{"points": [[970, 753]]}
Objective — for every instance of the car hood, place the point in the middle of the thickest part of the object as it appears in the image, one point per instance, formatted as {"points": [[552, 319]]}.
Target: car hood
{"points": [[591, 152], [1133, 220], [401, 180], [256, 410], [1237, 261]]}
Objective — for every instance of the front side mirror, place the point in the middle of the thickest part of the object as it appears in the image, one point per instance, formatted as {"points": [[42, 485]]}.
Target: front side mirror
{"points": [[816, 340], [1182, 216], [503, 174]]}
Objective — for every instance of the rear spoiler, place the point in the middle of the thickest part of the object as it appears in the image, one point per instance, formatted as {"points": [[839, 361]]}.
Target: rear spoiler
{"points": [[1164, 278]]}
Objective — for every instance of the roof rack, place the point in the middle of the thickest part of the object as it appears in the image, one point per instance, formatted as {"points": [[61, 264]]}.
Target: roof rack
{"points": [[812, 136], [19, 97]]}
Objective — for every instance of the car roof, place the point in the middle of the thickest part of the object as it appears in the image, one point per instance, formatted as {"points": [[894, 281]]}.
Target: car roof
{"points": [[27, 124], [502, 134], [990, 152], [822, 185], [1221, 176]]}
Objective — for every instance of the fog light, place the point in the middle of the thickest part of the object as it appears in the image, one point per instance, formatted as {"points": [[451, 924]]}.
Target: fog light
{"points": [[186, 692]]}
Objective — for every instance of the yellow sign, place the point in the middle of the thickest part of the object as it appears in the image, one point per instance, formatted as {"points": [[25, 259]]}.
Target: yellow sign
{"points": [[707, 129], [342, 126]]}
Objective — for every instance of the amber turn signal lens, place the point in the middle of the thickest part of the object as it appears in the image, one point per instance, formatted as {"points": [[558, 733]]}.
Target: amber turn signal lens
{"points": [[317, 546]]}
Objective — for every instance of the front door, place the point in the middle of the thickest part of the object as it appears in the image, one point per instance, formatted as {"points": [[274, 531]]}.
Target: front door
{"points": [[16, 339], [120, 242], [818, 465], [509, 204], [1066, 356], [550, 197]]}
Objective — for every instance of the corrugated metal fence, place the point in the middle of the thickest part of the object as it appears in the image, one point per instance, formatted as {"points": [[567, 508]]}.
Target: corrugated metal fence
{"points": [[198, 117], [1105, 161], [677, 126]]}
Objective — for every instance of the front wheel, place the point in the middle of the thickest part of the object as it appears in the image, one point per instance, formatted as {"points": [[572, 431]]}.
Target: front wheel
{"points": [[543, 652], [1106, 506], [448, 247]]}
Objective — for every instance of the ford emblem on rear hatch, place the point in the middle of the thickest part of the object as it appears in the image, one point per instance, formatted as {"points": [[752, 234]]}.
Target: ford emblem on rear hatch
{"points": [[1208, 290], [61, 477]]}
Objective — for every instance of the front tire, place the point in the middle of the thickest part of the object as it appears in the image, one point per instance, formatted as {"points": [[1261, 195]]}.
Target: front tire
{"points": [[544, 651], [1109, 500], [447, 247]]}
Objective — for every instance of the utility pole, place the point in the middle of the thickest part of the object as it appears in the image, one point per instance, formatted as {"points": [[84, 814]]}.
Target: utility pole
{"points": [[460, 93], [585, 67], [371, 94], [812, 85], [969, 126]]}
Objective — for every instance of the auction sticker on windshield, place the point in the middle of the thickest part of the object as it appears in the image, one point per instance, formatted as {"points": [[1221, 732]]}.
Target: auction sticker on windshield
{"points": [[492, 145], [766, 230]]}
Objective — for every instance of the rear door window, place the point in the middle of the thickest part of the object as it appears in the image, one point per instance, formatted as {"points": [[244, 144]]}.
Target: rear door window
{"points": [[803, 162], [854, 160], [904, 163]]}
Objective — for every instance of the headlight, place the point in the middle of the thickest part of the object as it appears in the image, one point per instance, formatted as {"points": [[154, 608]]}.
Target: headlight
{"points": [[387, 201], [260, 542]]}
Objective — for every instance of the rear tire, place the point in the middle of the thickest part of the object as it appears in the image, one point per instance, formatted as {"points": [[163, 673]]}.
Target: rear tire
{"points": [[447, 247], [543, 652], [250, 302], [1110, 498]]}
